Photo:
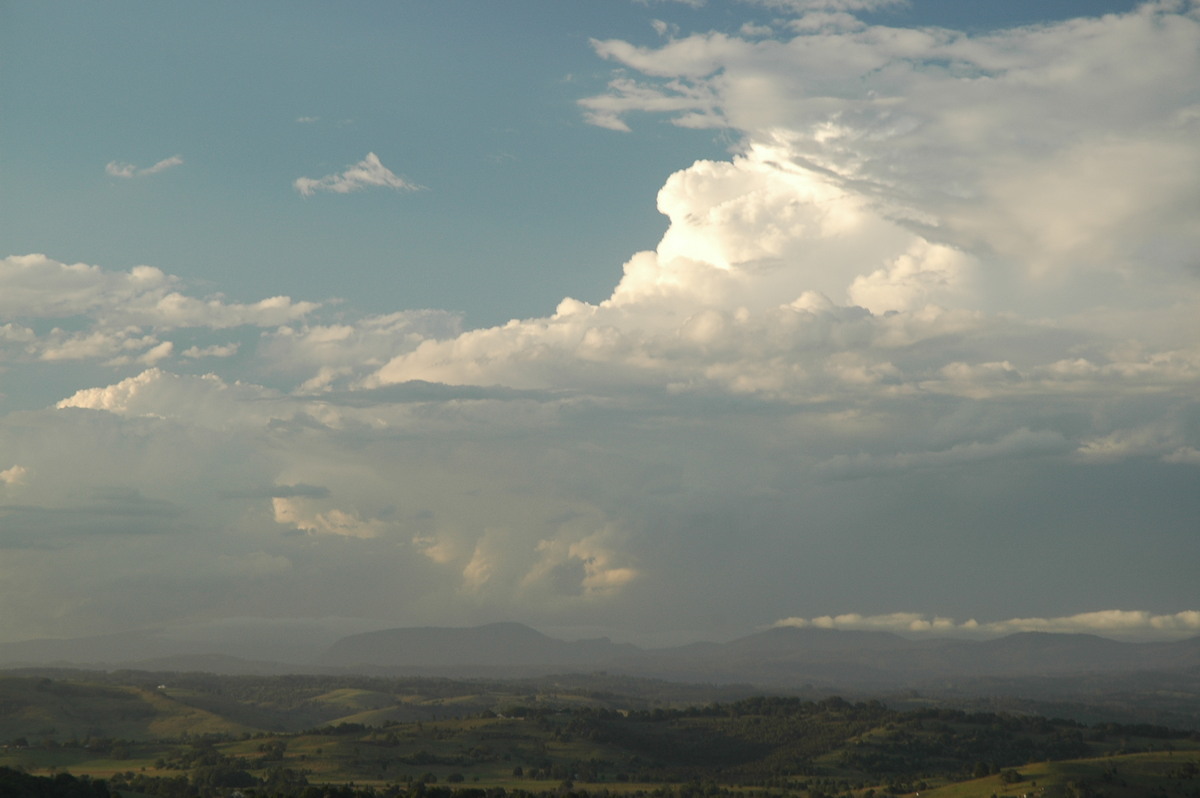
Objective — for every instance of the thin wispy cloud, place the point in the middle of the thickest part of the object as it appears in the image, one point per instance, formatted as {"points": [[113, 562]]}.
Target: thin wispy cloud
{"points": [[803, 6], [366, 173], [129, 170]]}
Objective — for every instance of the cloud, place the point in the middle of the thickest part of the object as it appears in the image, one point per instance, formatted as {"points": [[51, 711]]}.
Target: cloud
{"points": [[217, 350], [327, 354], [297, 512], [128, 170], [15, 475], [1019, 443], [1109, 623], [367, 172], [806, 6], [692, 3], [589, 566], [38, 287], [204, 401], [119, 318], [937, 307], [920, 122], [860, 242]]}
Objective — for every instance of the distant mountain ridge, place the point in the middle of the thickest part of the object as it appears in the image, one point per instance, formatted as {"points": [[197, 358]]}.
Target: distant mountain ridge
{"points": [[495, 645], [777, 658]]}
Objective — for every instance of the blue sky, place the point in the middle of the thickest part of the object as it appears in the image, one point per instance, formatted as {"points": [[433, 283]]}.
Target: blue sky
{"points": [[475, 101], [657, 319]]}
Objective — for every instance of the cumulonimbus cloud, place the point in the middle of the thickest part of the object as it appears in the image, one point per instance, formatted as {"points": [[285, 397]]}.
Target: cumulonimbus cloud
{"points": [[367, 172]]}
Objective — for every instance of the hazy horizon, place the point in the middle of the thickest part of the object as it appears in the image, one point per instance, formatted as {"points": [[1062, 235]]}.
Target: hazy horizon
{"points": [[664, 320]]}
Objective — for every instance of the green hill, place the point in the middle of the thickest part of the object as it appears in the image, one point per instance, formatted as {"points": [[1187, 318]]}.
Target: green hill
{"points": [[208, 736], [39, 708]]}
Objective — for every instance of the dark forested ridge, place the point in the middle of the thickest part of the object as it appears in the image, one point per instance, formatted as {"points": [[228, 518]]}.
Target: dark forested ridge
{"points": [[15, 784]]}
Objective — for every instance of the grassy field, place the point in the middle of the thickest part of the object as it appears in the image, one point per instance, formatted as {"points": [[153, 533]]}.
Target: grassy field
{"points": [[1127, 776]]}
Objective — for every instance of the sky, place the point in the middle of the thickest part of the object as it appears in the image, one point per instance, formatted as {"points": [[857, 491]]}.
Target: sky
{"points": [[660, 320]]}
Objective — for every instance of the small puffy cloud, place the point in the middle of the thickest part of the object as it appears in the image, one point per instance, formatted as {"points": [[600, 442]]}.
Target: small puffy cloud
{"points": [[128, 170], [14, 475], [367, 172], [35, 286], [154, 354]]}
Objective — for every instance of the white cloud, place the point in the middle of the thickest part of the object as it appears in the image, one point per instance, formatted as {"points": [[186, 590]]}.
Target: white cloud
{"points": [[217, 350], [202, 401], [15, 475], [879, 176], [37, 287], [119, 318], [177, 310], [329, 353], [626, 95], [128, 170], [920, 123], [1109, 623], [367, 172], [96, 345], [151, 356]]}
